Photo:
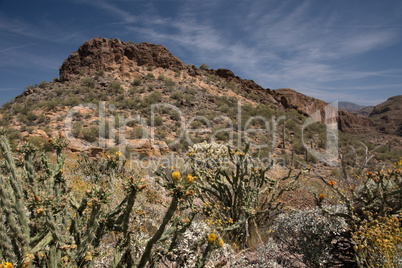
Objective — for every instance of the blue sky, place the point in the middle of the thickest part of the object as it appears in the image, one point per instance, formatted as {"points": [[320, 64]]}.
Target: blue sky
{"points": [[331, 50]]}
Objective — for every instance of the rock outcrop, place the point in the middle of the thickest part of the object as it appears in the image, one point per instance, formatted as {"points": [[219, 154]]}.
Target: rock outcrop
{"points": [[114, 55], [248, 86]]}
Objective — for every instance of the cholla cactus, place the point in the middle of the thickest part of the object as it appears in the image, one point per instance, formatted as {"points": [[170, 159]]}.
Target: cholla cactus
{"points": [[235, 188], [42, 224]]}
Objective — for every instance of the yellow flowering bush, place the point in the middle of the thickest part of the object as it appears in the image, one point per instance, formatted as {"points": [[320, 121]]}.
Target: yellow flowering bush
{"points": [[373, 202], [379, 241], [6, 265]]}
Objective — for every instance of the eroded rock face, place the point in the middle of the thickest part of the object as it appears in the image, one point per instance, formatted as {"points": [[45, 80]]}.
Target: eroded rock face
{"points": [[387, 116], [113, 55], [347, 122], [350, 123], [249, 86]]}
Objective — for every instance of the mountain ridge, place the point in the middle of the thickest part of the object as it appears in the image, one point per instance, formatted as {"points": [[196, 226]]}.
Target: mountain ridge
{"points": [[113, 55], [134, 76]]}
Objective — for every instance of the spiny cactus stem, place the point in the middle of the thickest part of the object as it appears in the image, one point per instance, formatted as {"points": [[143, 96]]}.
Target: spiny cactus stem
{"points": [[130, 204], [5, 150], [169, 214], [205, 256], [46, 240], [5, 242], [29, 167], [10, 219], [53, 227], [90, 231]]}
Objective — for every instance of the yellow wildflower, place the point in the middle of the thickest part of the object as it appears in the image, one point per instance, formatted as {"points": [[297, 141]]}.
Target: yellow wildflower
{"points": [[190, 193], [220, 242], [332, 183], [211, 238], [189, 179], [322, 196], [176, 176], [40, 211], [6, 265], [118, 154]]}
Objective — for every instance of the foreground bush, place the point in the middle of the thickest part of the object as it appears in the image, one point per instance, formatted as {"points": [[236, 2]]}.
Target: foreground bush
{"points": [[236, 191], [44, 225], [373, 211]]}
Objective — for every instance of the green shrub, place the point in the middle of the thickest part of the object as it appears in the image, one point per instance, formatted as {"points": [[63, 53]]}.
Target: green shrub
{"points": [[203, 66], [161, 77], [115, 88], [90, 134], [170, 83], [138, 133], [136, 82], [88, 82], [157, 121], [43, 84], [149, 76], [76, 130], [71, 101], [176, 95]]}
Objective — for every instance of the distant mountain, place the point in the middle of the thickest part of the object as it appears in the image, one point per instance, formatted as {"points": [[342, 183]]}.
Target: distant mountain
{"points": [[387, 116], [365, 112], [360, 110], [350, 106]]}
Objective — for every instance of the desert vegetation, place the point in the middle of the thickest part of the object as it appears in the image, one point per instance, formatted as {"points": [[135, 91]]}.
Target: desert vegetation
{"points": [[228, 175], [99, 213]]}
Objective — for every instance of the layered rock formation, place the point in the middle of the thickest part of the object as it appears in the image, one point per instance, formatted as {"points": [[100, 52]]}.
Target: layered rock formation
{"points": [[113, 55]]}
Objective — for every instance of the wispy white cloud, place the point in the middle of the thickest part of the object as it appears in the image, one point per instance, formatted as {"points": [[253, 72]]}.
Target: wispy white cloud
{"points": [[110, 8], [276, 43]]}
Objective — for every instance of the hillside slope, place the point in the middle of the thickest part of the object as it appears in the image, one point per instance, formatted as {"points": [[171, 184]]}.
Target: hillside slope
{"points": [[127, 79], [387, 116]]}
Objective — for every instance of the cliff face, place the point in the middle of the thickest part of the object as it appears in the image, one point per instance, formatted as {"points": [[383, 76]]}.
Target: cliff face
{"points": [[387, 116], [112, 55], [347, 122]]}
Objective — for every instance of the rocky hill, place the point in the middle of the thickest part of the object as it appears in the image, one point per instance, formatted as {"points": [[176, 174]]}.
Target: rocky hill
{"points": [[128, 78], [365, 112], [387, 116]]}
